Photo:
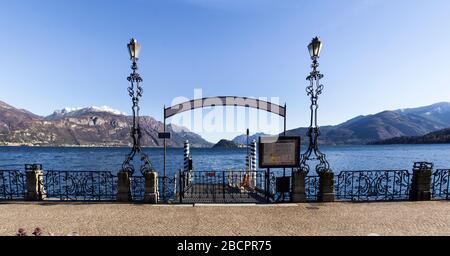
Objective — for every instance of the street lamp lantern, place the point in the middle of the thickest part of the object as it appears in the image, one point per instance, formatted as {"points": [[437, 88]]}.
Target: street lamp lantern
{"points": [[313, 90], [134, 49], [314, 47]]}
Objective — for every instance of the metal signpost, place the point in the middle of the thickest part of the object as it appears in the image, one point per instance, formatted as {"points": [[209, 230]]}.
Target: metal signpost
{"points": [[279, 152]]}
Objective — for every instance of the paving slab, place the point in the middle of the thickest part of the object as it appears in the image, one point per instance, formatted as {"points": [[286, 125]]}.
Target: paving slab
{"points": [[308, 219]]}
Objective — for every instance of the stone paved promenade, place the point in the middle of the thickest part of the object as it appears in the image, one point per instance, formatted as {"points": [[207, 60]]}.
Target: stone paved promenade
{"points": [[391, 218]]}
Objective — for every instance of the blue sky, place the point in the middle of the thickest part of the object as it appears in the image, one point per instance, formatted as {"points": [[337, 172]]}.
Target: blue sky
{"points": [[377, 54]]}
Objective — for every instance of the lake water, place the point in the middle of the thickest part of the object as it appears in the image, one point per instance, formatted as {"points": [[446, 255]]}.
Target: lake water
{"points": [[110, 159]]}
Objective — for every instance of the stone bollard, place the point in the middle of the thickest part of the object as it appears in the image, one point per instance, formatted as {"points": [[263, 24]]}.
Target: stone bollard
{"points": [[123, 187], [298, 187], [326, 187], [34, 182], [151, 187], [421, 182]]}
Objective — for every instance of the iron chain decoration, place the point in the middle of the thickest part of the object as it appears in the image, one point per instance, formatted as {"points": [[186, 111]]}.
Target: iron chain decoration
{"points": [[313, 153], [135, 91]]}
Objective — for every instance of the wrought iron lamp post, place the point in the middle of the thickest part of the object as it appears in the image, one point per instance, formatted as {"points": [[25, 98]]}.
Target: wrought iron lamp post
{"points": [[313, 91], [135, 91]]}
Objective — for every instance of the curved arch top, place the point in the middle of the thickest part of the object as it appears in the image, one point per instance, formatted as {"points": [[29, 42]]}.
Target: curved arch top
{"points": [[225, 101]]}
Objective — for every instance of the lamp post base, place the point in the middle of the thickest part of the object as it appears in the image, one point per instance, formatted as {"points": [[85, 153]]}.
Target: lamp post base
{"points": [[298, 187], [123, 187], [151, 187], [326, 187]]}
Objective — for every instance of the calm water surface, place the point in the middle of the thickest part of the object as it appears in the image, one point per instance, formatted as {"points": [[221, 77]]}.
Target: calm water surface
{"points": [[110, 159]]}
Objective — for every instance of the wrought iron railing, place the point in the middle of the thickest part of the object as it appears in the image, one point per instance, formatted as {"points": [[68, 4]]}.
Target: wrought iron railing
{"points": [[167, 188], [12, 184], [137, 186], [373, 185], [224, 186], [221, 186], [268, 187], [311, 187], [440, 185], [79, 185]]}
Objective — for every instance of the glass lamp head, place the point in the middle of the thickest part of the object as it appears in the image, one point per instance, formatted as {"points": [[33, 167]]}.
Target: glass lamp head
{"points": [[134, 49], [315, 47]]}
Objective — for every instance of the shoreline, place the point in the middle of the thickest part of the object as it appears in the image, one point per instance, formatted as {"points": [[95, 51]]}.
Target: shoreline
{"points": [[168, 147], [86, 146]]}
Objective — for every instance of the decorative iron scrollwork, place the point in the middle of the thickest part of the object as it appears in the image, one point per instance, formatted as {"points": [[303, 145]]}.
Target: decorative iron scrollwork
{"points": [[135, 91], [313, 153], [12, 184], [80, 185], [311, 187], [373, 185], [440, 186], [137, 186], [167, 188]]}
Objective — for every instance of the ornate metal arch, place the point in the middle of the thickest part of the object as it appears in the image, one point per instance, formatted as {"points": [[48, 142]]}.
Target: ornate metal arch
{"points": [[225, 101], [221, 101]]}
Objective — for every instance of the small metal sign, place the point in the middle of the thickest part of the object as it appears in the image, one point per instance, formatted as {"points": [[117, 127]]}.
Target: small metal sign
{"points": [[190, 164], [164, 135], [33, 167], [210, 174], [279, 151], [283, 184]]}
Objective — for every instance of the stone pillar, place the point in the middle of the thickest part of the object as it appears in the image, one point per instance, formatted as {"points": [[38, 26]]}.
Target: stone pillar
{"points": [[421, 182], [34, 182], [123, 187], [151, 187], [326, 187], [298, 187]]}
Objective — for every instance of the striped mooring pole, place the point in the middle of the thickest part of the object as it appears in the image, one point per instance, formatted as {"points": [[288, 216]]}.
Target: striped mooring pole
{"points": [[187, 154], [247, 163], [252, 178], [253, 156]]}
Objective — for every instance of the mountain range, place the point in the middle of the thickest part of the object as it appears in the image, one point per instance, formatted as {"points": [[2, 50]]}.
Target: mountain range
{"points": [[91, 126], [384, 125], [103, 126], [438, 137]]}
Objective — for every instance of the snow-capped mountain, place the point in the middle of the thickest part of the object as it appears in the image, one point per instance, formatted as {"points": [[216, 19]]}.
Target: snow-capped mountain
{"points": [[90, 126], [79, 111], [385, 125], [439, 112]]}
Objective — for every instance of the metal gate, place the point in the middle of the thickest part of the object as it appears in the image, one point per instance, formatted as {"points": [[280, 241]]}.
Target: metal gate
{"points": [[227, 187]]}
